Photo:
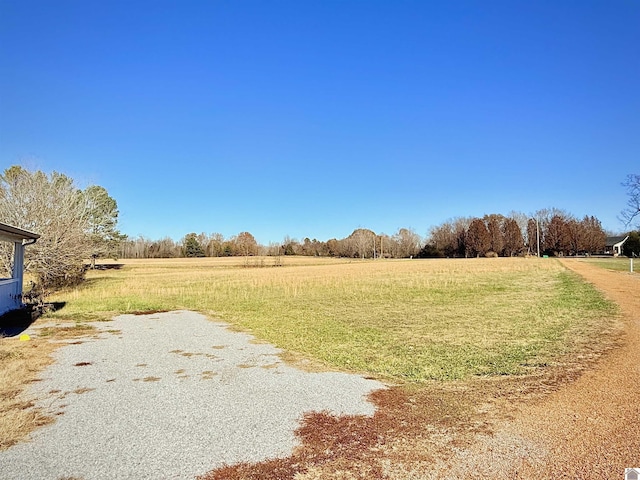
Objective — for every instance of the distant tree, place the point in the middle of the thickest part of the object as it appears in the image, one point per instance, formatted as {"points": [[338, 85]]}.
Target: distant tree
{"points": [[632, 211], [246, 244], [310, 247], [594, 236], [215, 245], [450, 237], [318, 248], [522, 220], [384, 246], [478, 241], [333, 247], [362, 239], [140, 247], [164, 248], [290, 246], [631, 247], [191, 246], [103, 220], [461, 227], [430, 251], [513, 241], [576, 236], [407, 242], [494, 227], [533, 236], [557, 239], [229, 249], [442, 238]]}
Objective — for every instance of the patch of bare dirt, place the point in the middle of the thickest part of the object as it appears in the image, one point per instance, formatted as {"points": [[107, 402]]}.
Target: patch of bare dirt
{"points": [[579, 420]]}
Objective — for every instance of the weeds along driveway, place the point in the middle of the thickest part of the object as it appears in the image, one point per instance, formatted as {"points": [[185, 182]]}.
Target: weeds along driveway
{"points": [[172, 395]]}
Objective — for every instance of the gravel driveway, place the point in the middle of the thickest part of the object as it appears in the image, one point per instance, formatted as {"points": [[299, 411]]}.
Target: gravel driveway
{"points": [[171, 396]]}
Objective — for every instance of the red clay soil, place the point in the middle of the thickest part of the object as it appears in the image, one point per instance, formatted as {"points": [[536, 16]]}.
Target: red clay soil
{"points": [[587, 429], [580, 421]]}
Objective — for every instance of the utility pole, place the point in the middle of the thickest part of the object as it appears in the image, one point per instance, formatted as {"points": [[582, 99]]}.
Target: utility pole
{"points": [[538, 235]]}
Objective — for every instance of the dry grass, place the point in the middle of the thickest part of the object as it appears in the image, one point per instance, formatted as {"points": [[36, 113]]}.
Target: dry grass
{"points": [[20, 365]]}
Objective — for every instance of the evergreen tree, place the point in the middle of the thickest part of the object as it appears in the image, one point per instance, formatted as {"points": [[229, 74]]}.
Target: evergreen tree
{"points": [[191, 246]]}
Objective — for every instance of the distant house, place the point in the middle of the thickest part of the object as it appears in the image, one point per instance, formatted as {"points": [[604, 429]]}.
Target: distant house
{"points": [[11, 288], [614, 245]]}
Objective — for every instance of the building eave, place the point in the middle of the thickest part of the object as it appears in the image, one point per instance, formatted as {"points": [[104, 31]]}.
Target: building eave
{"points": [[9, 233]]}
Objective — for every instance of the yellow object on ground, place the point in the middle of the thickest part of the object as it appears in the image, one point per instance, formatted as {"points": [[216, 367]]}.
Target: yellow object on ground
{"points": [[24, 337]]}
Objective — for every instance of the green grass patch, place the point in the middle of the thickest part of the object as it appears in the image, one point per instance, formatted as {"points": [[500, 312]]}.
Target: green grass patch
{"points": [[406, 321], [619, 264]]}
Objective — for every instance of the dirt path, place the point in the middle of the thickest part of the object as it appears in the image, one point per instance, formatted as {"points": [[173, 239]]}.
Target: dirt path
{"points": [[589, 429]]}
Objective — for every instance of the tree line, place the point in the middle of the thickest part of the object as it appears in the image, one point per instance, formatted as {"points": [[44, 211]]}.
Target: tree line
{"points": [[362, 243], [79, 224], [548, 232]]}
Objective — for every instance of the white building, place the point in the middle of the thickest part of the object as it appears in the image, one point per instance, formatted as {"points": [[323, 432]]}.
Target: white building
{"points": [[614, 245], [11, 288]]}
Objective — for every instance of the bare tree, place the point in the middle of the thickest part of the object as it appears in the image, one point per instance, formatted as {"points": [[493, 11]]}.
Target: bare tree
{"points": [[52, 206], [408, 243], [215, 245], [363, 239], [448, 238], [629, 214], [521, 219], [246, 244], [333, 247]]}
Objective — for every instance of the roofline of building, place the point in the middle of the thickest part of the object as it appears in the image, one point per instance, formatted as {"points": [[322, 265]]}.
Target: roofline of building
{"points": [[11, 233]]}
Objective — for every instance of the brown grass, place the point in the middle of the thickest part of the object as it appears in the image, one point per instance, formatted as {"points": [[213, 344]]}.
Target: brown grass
{"points": [[409, 427], [413, 430], [20, 364]]}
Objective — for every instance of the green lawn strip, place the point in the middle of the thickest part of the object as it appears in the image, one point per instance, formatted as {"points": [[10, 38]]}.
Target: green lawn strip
{"points": [[619, 264]]}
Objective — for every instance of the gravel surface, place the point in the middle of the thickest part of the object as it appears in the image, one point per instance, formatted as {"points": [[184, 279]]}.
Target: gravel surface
{"points": [[171, 396]]}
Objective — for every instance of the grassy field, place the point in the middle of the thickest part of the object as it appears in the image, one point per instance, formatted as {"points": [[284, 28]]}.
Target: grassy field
{"points": [[399, 320], [620, 264], [408, 322]]}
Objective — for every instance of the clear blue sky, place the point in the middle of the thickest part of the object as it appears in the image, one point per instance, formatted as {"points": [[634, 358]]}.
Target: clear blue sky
{"points": [[313, 118]]}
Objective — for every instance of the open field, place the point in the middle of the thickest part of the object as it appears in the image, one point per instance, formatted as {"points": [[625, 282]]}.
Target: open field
{"points": [[462, 340], [413, 320]]}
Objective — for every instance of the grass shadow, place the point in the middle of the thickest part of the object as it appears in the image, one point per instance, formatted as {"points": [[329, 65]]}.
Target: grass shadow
{"points": [[108, 266]]}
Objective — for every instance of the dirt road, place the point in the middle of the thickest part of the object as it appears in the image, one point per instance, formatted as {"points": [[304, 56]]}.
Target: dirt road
{"points": [[588, 429]]}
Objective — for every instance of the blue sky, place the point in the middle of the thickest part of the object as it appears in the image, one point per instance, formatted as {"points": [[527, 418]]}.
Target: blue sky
{"points": [[313, 118]]}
